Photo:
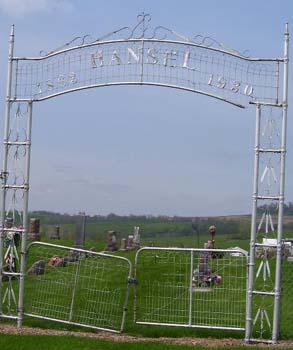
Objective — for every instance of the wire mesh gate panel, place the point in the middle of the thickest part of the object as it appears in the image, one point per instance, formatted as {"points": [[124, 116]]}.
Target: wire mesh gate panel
{"points": [[76, 286], [191, 287]]}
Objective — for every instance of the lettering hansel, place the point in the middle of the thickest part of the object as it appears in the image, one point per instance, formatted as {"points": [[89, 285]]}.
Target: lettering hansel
{"points": [[168, 58]]}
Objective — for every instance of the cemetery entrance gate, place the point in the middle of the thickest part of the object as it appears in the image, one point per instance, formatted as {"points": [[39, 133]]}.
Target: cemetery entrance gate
{"points": [[153, 56]]}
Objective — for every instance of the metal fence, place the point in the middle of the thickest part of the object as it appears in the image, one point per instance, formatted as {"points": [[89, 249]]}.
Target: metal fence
{"points": [[76, 286], [286, 320], [191, 287]]}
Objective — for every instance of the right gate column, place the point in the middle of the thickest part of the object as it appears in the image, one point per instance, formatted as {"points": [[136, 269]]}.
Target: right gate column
{"points": [[265, 263]]}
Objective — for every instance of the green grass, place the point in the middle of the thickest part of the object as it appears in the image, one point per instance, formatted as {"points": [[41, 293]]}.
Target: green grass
{"points": [[36, 342]]}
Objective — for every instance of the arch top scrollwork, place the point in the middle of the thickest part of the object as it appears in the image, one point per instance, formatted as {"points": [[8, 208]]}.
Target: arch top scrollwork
{"points": [[144, 30]]}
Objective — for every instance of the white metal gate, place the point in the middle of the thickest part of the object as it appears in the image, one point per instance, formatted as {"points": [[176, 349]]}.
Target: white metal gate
{"points": [[187, 287], [76, 286]]}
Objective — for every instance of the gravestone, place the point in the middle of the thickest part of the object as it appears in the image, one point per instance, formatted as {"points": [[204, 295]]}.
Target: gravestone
{"points": [[133, 241], [112, 244], [80, 231], [38, 268], [123, 244], [34, 230], [56, 233]]}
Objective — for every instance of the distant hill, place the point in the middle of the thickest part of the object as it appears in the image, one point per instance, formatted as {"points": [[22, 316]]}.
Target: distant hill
{"points": [[156, 226]]}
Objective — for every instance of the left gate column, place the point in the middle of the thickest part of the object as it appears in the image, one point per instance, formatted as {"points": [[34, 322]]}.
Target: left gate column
{"points": [[14, 197]]}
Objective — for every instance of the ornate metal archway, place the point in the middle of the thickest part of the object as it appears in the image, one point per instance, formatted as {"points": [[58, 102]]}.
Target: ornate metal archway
{"points": [[144, 55]]}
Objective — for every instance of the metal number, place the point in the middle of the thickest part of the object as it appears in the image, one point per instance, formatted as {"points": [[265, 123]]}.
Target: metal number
{"points": [[61, 80], [248, 91], [39, 86], [221, 82], [72, 78], [236, 86], [50, 85]]}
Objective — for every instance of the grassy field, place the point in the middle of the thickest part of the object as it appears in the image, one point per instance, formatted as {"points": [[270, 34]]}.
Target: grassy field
{"points": [[223, 241]]}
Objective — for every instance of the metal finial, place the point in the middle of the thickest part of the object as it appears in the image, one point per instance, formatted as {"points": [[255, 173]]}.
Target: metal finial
{"points": [[12, 30]]}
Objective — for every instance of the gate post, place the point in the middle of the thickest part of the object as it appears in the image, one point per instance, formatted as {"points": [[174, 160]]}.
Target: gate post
{"points": [[253, 227], [4, 173], [276, 320], [25, 215], [268, 318]]}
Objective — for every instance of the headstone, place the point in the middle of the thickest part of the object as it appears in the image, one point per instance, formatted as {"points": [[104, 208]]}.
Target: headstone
{"points": [[136, 237], [130, 243], [80, 232], [203, 276], [123, 244], [209, 245], [112, 244], [37, 268], [34, 230], [133, 241], [56, 233], [212, 231], [73, 256]]}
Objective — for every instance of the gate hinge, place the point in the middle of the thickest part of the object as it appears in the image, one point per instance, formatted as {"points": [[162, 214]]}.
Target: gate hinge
{"points": [[4, 174], [132, 281]]}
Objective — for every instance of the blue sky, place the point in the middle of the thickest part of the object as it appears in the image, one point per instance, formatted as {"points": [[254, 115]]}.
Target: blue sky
{"points": [[143, 150]]}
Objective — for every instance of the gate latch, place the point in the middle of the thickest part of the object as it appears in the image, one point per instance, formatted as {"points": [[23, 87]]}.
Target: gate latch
{"points": [[132, 281]]}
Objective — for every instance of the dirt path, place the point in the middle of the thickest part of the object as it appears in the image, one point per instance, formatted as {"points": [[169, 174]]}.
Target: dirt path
{"points": [[211, 342]]}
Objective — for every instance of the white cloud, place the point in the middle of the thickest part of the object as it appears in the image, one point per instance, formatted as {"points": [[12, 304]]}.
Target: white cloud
{"points": [[18, 8]]}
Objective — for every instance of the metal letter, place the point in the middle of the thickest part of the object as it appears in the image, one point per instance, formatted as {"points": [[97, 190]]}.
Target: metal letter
{"points": [[186, 61], [166, 55], [115, 57], [170, 56], [97, 56], [152, 54], [132, 54]]}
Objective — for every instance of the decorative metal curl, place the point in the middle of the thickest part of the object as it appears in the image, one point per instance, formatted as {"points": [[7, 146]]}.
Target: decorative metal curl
{"points": [[142, 31], [21, 112], [141, 26], [77, 41], [208, 41], [137, 32]]}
